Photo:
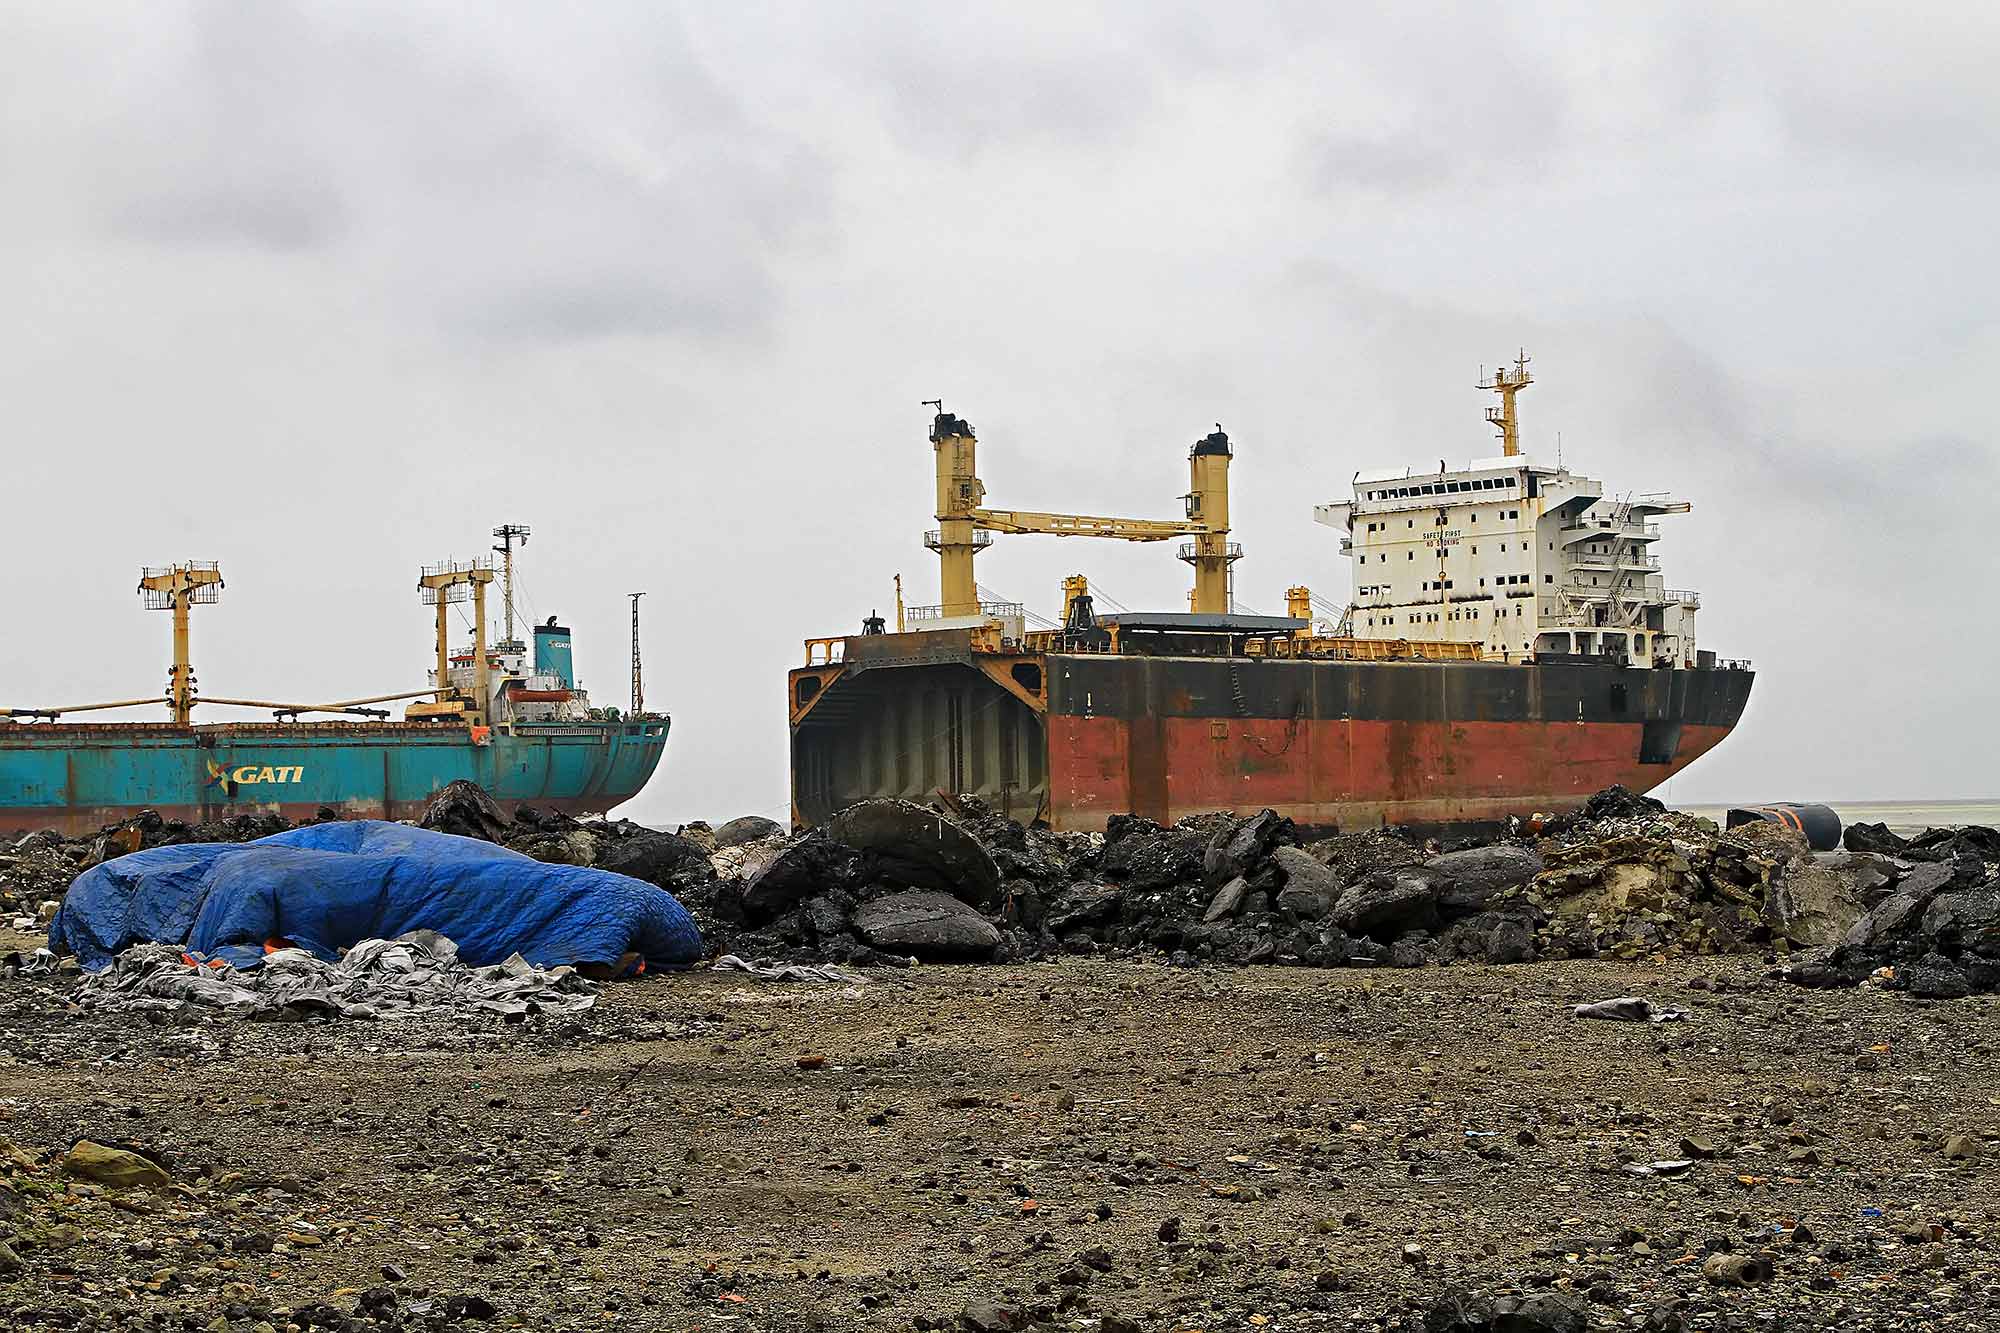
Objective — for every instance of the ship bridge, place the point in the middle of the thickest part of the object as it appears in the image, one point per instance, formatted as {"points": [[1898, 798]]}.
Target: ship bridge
{"points": [[1512, 555]]}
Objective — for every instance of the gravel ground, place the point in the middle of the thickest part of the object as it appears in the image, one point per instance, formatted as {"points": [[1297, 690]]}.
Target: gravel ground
{"points": [[1094, 1145]]}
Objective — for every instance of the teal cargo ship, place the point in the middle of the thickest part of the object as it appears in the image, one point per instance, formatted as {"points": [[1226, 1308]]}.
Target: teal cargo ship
{"points": [[77, 778], [522, 728]]}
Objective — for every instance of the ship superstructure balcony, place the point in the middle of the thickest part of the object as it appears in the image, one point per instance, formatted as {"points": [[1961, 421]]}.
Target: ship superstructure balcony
{"points": [[1659, 502], [1609, 592], [1608, 560], [1598, 529]]}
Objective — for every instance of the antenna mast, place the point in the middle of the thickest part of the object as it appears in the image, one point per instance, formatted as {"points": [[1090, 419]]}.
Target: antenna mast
{"points": [[1507, 385], [508, 533], [638, 681], [177, 588]]}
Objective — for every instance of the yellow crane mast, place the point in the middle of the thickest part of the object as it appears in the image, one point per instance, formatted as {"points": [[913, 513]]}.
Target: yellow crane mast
{"points": [[1503, 417], [963, 521], [178, 588]]}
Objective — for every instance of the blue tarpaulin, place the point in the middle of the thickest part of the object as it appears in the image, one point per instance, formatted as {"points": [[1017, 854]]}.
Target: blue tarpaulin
{"points": [[325, 887]]}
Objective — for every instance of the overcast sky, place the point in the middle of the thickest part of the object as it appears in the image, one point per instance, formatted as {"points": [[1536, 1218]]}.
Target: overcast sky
{"points": [[326, 292]]}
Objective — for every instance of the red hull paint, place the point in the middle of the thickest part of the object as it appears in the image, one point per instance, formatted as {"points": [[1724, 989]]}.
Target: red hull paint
{"points": [[1345, 773]]}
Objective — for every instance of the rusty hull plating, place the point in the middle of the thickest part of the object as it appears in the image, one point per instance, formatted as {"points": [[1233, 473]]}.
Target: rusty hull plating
{"points": [[1206, 722]]}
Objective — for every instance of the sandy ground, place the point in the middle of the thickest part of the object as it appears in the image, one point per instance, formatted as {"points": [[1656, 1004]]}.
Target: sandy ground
{"points": [[1086, 1143]]}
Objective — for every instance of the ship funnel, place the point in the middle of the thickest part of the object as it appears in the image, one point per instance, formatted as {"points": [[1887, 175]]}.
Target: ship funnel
{"points": [[552, 653]]}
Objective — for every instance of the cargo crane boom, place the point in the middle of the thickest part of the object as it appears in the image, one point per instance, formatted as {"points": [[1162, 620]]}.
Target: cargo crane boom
{"points": [[1083, 525], [962, 520]]}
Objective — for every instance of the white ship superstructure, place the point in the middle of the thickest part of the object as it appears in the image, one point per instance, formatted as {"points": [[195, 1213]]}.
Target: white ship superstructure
{"points": [[1524, 559]]}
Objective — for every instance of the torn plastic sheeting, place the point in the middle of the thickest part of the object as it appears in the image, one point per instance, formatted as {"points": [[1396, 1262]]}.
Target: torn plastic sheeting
{"points": [[825, 973], [416, 976]]}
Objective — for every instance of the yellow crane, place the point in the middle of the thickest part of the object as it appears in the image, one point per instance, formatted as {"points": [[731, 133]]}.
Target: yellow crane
{"points": [[963, 521], [179, 588], [443, 585]]}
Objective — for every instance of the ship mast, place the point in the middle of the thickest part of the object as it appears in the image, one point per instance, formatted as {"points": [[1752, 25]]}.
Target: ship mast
{"points": [[1503, 416], [176, 588], [507, 533], [638, 681]]}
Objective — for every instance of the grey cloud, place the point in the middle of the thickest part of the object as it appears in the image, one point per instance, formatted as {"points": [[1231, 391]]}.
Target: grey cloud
{"points": [[1338, 162], [1893, 87], [263, 214], [231, 146], [959, 81], [493, 202], [576, 306]]}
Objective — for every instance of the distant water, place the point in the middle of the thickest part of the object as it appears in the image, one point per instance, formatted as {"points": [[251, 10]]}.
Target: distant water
{"points": [[1905, 817]]}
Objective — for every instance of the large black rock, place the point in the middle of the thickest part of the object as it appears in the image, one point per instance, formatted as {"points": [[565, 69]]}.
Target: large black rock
{"points": [[1147, 858], [908, 844], [1972, 842], [926, 924], [1228, 900], [1896, 922], [665, 859], [1964, 921], [1467, 880], [1243, 846], [747, 828], [1387, 904], [1085, 906], [1615, 802], [1872, 838], [1934, 977], [813, 865], [1311, 890], [464, 808]]}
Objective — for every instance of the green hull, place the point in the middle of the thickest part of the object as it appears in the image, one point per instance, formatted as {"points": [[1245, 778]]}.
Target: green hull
{"points": [[78, 777]]}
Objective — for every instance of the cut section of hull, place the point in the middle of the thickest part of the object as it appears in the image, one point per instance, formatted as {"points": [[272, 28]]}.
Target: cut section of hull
{"points": [[1332, 744]]}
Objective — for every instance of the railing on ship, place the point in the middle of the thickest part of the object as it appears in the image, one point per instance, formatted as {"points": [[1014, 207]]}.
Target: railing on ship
{"points": [[1002, 610], [1364, 650], [1322, 647]]}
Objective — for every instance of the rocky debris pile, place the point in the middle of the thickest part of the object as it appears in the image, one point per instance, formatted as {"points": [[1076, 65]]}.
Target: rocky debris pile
{"points": [[416, 976], [1932, 924], [34, 872], [1660, 882], [885, 882]]}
